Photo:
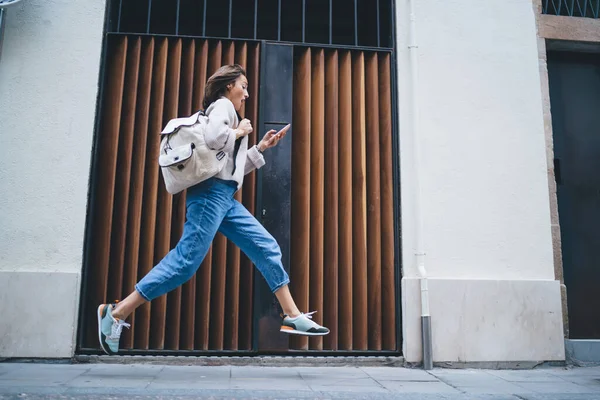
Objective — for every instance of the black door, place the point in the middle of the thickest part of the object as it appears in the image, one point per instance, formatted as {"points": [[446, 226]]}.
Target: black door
{"points": [[575, 98]]}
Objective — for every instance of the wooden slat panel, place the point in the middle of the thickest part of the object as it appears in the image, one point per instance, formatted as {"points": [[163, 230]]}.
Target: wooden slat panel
{"points": [[164, 207], [219, 275], [107, 153], [345, 323], [123, 173], [217, 300], [373, 202], [388, 291], [134, 216], [317, 178], [300, 242], [201, 65], [228, 53], [204, 278], [330, 301], [359, 201], [146, 257], [249, 200], [232, 305], [188, 291]]}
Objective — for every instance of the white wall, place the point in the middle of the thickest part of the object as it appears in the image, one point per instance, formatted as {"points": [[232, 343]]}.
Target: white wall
{"points": [[485, 200], [48, 86]]}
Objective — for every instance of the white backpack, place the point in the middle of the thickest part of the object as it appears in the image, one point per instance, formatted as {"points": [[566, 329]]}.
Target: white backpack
{"points": [[185, 160]]}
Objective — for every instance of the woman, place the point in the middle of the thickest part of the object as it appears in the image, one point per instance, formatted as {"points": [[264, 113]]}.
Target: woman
{"points": [[211, 208]]}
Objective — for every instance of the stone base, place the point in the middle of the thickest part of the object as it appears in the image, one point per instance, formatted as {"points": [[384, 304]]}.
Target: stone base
{"points": [[39, 317], [583, 351], [485, 320]]}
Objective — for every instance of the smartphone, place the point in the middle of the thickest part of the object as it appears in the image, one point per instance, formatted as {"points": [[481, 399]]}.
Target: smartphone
{"points": [[283, 131]]}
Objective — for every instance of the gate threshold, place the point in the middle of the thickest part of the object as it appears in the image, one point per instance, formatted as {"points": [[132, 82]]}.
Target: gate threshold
{"points": [[257, 361]]}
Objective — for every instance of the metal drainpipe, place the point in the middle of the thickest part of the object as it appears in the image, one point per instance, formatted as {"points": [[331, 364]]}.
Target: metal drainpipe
{"points": [[420, 248], [2, 23]]}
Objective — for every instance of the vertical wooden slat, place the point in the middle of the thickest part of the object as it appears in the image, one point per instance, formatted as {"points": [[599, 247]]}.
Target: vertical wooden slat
{"points": [[228, 53], [330, 300], [359, 201], [204, 306], [345, 323], [317, 178], [232, 260], [373, 202], [164, 210], [217, 301], [188, 291], [123, 173], [146, 257], [203, 279], [134, 216], [249, 200], [300, 242], [388, 291], [232, 305], [201, 65], [107, 153]]}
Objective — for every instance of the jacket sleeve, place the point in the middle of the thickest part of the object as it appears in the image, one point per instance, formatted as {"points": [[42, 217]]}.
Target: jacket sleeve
{"points": [[254, 160], [220, 134]]}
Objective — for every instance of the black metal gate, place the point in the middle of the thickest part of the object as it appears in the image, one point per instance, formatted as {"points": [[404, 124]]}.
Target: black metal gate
{"points": [[329, 193]]}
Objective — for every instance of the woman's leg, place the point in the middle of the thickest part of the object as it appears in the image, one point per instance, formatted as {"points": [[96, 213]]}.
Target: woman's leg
{"points": [[259, 245], [206, 207]]}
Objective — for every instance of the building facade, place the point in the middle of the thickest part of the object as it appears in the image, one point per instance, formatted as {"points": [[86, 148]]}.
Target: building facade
{"points": [[455, 173]]}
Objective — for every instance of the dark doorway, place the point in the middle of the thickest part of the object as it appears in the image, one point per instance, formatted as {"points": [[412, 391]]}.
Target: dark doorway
{"points": [[575, 97]]}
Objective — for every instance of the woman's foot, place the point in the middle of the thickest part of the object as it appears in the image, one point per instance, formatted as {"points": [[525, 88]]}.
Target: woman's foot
{"points": [[302, 325], [109, 329]]}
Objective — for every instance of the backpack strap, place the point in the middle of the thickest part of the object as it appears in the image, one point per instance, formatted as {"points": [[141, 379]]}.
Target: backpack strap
{"points": [[174, 124]]}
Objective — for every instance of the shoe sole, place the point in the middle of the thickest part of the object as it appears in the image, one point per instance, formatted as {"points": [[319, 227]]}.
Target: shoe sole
{"points": [[100, 309], [301, 333]]}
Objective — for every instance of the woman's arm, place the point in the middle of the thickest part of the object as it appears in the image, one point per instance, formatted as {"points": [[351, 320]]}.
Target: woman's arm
{"points": [[254, 160], [220, 133]]}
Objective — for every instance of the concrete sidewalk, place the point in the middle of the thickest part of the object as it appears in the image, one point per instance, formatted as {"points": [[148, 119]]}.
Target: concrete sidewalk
{"points": [[140, 381]]}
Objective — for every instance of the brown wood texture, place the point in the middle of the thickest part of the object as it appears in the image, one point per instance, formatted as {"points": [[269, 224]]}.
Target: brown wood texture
{"points": [[162, 243], [359, 203], [342, 246], [388, 274], [188, 290], [123, 173], [301, 143], [249, 201], [232, 299], [330, 279], [107, 152], [317, 180], [151, 176], [345, 319], [134, 216], [204, 274], [373, 201]]}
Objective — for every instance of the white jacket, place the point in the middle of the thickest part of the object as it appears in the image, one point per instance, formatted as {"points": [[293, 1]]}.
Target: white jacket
{"points": [[220, 134]]}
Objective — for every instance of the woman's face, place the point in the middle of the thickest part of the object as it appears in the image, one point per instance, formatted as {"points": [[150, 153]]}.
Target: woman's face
{"points": [[237, 92]]}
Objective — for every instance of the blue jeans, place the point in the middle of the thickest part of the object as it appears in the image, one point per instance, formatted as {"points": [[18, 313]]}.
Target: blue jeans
{"points": [[211, 208]]}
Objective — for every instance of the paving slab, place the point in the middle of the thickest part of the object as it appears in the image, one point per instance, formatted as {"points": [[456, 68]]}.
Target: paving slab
{"points": [[399, 374], [418, 387], [526, 376]]}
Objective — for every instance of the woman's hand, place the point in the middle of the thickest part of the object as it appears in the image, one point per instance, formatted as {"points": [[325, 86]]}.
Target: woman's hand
{"points": [[272, 138], [243, 129]]}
